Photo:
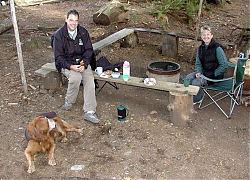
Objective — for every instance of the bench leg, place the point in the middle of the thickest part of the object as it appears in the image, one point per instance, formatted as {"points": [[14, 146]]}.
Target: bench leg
{"points": [[181, 108], [52, 81]]}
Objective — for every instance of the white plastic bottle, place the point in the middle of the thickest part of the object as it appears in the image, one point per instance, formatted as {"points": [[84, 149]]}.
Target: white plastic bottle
{"points": [[126, 71]]}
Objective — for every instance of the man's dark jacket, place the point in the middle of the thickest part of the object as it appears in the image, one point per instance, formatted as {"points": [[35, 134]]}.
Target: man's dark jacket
{"points": [[69, 52], [209, 61]]}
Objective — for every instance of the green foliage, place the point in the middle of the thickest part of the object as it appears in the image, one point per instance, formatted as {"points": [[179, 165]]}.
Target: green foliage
{"points": [[165, 6], [190, 7]]}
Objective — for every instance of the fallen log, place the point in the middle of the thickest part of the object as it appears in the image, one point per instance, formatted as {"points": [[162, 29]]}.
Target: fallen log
{"points": [[113, 11], [33, 2], [5, 25]]}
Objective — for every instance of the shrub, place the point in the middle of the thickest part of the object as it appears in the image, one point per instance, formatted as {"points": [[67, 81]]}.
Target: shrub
{"points": [[164, 7]]}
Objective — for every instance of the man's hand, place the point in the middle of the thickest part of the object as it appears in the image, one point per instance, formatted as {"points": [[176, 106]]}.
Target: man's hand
{"points": [[77, 68], [198, 75], [81, 68], [82, 63]]}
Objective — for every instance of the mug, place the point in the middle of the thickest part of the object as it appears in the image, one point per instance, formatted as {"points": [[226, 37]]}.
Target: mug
{"points": [[122, 112], [99, 70], [186, 82]]}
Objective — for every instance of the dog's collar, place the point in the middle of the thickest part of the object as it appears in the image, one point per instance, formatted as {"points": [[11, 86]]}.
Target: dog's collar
{"points": [[52, 123], [27, 134]]}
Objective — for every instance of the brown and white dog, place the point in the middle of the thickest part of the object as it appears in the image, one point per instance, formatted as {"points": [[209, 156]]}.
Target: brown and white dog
{"points": [[41, 134]]}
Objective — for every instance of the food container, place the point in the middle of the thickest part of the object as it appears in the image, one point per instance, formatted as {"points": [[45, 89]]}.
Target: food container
{"points": [[115, 75]]}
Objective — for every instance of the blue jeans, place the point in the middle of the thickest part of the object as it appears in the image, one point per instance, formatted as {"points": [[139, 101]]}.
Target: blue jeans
{"points": [[196, 82]]}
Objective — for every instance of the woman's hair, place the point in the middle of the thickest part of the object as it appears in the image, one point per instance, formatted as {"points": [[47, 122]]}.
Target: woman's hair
{"points": [[74, 12], [206, 28]]}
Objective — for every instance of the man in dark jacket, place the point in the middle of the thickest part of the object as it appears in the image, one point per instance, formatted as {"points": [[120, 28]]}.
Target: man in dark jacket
{"points": [[210, 61], [73, 53]]}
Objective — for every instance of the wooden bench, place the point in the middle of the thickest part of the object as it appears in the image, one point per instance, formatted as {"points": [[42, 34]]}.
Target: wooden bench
{"points": [[180, 106], [135, 81]]}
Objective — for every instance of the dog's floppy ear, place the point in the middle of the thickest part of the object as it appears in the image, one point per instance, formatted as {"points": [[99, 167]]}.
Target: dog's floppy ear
{"points": [[38, 129], [58, 121]]}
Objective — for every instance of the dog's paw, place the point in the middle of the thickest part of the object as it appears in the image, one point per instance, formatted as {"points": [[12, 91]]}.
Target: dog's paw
{"points": [[52, 162], [31, 170], [64, 140]]}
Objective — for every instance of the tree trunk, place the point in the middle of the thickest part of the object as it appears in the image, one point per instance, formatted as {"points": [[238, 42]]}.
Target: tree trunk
{"points": [[111, 12]]}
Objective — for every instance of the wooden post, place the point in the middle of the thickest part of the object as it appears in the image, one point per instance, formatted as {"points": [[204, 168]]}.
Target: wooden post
{"points": [[170, 45], [130, 41], [181, 108], [18, 45], [53, 81]]}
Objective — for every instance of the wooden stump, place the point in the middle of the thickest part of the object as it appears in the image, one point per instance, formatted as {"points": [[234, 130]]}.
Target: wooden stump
{"points": [[170, 46], [130, 41], [181, 108], [5, 25], [53, 81], [111, 12]]}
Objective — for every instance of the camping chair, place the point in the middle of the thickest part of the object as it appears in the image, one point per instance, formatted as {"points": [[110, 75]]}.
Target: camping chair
{"points": [[226, 88]]}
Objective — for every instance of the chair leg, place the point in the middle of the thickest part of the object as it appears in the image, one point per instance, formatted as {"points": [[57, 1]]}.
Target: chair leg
{"points": [[212, 98], [215, 102], [234, 98]]}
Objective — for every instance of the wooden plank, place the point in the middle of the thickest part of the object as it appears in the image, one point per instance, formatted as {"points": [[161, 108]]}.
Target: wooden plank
{"points": [[156, 31], [135, 81], [49, 66], [112, 38], [42, 72], [160, 85], [148, 30]]}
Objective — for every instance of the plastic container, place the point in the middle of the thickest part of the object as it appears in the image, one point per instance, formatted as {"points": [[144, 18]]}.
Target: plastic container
{"points": [[126, 71], [115, 75]]}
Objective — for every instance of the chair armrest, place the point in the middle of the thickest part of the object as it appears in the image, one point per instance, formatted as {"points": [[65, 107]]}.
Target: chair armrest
{"points": [[216, 80]]}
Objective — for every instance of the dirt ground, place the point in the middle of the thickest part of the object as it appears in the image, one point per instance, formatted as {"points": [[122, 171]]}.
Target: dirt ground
{"points": [[147, 145]]}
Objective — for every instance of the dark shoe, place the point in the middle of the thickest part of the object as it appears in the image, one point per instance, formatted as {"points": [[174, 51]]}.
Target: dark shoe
{"points": [[197, 102], [91, 117]]}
